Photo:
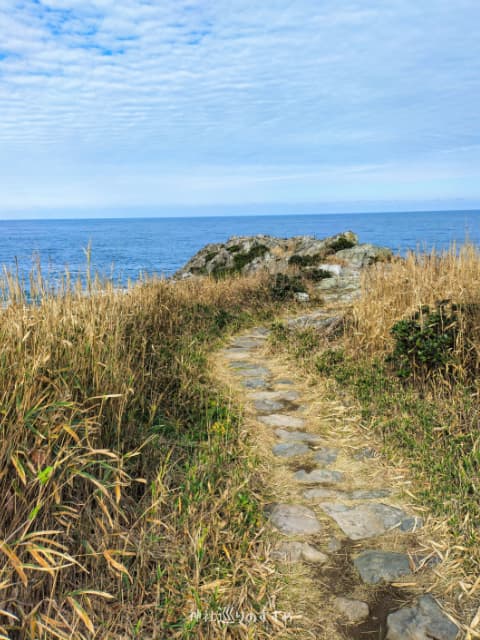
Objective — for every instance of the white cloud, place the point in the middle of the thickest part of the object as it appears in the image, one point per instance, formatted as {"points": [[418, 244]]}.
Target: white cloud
{"points": [[173, 86]]}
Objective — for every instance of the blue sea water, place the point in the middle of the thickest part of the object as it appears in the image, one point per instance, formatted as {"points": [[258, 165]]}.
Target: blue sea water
{"points": [[125, 248]]}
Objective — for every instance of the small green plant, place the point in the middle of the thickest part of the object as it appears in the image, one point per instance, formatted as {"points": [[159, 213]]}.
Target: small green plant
{"points": [[341, 243], [242, 259], [284, 286], [304, 261], [425, 341], [318, 274], [328, 360]]}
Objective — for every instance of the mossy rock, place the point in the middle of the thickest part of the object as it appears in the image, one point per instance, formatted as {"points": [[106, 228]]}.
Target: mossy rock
{"points": [[305, 261], [342, 243]]}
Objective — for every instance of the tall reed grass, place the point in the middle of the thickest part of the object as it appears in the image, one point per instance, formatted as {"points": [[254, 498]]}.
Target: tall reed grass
{"points": [[124, 486], [392, 291]]}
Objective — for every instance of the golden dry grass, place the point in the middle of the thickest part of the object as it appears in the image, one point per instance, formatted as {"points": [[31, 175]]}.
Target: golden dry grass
{"points": [[392, 291], [426, 423], [124, 486]]}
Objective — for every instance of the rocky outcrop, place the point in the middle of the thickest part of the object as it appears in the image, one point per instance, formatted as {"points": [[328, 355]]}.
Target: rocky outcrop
{"points": [[320, 259]]}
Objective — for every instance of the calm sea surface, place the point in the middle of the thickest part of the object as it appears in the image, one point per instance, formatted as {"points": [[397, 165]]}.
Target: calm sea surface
{"points": [[128, 247]]}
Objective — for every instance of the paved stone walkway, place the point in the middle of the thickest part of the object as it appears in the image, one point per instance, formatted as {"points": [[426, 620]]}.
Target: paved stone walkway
{"points": [[335, 516]]}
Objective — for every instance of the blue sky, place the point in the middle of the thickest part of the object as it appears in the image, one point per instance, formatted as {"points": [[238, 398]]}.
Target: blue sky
{"points": [[233, 105]]}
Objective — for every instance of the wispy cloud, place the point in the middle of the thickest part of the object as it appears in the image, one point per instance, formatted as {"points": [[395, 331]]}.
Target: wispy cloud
{"points": [[162, 92]]}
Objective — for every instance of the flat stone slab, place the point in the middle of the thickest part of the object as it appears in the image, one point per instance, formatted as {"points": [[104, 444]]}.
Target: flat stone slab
{"points": [[293, 551], [267, 406], [282, 420], [290, 449], [326, 455], [236, 354], [368, 494], [321, 493], [382, 566], [247, 343], [336, 494], [352, 611], [318, 476], [286, 381], [243, 364], [286, 396], [424, 620], [293, 519], [259, 332], [297, 436], [254, 371], [368, 520], [254, 383]]}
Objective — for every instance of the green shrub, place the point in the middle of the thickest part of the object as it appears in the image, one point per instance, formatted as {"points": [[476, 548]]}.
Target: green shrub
{"points": [[318, 274], [242, 259], [425, 341], [283, 286], [304, 261], [342, 243]]}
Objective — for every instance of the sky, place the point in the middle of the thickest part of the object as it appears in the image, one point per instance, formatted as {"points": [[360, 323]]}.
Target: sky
{"points": [[171, 106]]}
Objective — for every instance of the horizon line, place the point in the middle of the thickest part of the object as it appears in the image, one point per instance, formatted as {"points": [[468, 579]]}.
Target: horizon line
{"points": [[238, 215]]}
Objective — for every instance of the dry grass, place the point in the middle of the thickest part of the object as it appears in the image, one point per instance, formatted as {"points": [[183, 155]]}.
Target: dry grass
{"points": [[395, 290], [426, 423], [124, 486]]}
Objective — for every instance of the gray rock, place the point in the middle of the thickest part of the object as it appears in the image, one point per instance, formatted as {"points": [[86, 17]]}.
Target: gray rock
{"points": [[321, 493], [287, 396], [334, 545], [318, 476], [363, 255], [290, 449], [267, 406], [366, 520], [292, 519], [297, 436], [289, 551], [368, 494], [254, 383], [246, 343], [352, 611], [254, 371], [259, 332], [424, 620], [293, 551], [335, 269], [301, 296], [382, 566], [411, 523], [286, 381], [282, 420], [329, 283], [336, 494], [313, 555], [317, 319], [236, 354], [242, 364], [326, 455], [251, 254]]}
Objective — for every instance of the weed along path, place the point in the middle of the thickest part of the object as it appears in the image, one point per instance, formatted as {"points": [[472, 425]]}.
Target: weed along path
{"points": [[353, 558]]}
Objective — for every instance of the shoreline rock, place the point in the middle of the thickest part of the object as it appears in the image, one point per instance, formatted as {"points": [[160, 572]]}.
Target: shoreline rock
{"points": [[320, 259]]}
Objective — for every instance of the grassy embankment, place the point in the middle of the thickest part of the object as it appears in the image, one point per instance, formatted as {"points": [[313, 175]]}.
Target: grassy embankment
{"points": [[414, 372], [126, 492]]}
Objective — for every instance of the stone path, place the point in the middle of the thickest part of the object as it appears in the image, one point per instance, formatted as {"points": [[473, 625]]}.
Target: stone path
{"points": [[335, 517]]}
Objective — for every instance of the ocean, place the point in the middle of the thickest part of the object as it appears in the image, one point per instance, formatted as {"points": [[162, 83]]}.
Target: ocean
{"points": [[124, 248]]}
